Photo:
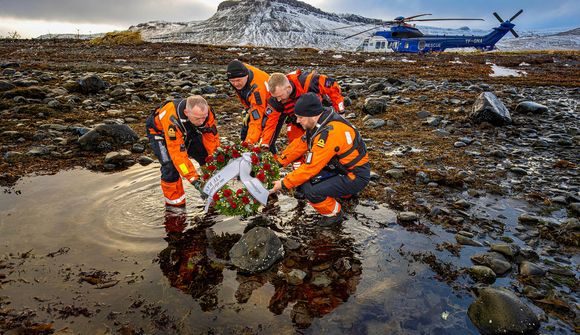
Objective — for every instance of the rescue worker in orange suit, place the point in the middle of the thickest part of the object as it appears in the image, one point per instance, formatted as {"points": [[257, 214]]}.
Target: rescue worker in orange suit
{"points": [[250, 86], [285, 91], [336, 163], [178, 130]]}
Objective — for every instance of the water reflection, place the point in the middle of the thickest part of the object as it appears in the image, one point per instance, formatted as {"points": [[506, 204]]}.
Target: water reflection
{"points": [[319, 272], [185, 261]]}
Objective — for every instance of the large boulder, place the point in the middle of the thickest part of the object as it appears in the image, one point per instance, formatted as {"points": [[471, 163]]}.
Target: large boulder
{"points": [[92, 84], [257, 250], [498, 311], [488, 108], [107, 137]]}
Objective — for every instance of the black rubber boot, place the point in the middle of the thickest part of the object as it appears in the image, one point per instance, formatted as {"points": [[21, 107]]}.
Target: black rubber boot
{"points": [[330, 221]]}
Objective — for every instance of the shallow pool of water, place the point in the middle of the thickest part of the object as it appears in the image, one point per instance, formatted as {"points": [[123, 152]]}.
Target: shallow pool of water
{"points": [[169, 273]]}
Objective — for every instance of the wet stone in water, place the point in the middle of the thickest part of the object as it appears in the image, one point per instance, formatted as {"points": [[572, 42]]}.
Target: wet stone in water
{"points": [[257, 250]]}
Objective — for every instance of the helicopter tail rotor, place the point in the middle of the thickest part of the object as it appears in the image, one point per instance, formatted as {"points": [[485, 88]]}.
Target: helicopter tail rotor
{"points": [[510, 20]]}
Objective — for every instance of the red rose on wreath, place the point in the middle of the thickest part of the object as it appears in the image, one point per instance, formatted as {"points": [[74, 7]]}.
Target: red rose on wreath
{"points": [[212, 168], [216, 197], [261, 176], [245, 200], [205, 176], [257, 150], [236, 154], [255, 159], [267, 167], [227, 193], [239, 191], [221, 159], [209, 159]]}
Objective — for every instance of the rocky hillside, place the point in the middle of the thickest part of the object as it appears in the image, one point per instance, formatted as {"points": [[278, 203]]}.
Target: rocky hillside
{"points": [[277, 23]]}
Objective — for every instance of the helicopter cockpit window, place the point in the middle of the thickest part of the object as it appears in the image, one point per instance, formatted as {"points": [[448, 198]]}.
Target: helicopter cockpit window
{"points": [[382, 45], [377, 45]]}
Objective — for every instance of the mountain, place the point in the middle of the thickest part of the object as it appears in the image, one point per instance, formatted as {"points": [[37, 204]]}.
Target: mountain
{"points": [[277, 23]]}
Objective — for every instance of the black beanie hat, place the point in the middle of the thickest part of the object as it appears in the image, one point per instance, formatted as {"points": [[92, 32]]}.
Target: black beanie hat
{"points": [[236, 69], [308, 105]]}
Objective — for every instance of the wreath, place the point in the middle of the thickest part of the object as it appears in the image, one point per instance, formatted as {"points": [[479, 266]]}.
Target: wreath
{"points": [[233, 199]]}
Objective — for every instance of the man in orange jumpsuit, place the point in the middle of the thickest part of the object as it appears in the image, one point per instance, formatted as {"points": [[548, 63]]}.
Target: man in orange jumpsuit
{"points": [[178, 130], [336, 163], [285, 91], [250, 86]]}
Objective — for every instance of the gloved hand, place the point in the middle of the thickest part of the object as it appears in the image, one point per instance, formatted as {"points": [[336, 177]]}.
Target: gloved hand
{"points": [[197, 184]]}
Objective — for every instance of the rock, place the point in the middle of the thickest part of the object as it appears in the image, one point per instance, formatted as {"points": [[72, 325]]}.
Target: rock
{"points": [[300, 314], [432, 121], [463, 240], [321, 280], [531, 269], [423, 114], [112, 134], [498, 311], [374, 123], [138, 148], [39, 151], [509, 250], [295, 277], [488, 108], [459, 144], [533, 293], [6, 86], [375, 176], [117, 157], [208, 90], [91, 84], [482, 274], [374, 106], [529, 219], [575, 207], [118, 92], [441, 132], [395, 173], [28, 93], [496, 261], [407, 217], [12, 156], [531, 107], [257, 250], [519, 170], [144, 160]]}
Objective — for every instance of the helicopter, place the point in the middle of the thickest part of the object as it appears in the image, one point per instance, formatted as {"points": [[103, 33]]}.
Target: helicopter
{"points": [[406, 38]]}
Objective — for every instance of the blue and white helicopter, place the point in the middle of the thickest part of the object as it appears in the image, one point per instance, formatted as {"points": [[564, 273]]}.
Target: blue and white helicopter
{"points": [[404, 37]]}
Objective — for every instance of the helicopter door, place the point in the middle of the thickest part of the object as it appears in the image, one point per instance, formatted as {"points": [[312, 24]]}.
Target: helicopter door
{"points": [[421, 45]]}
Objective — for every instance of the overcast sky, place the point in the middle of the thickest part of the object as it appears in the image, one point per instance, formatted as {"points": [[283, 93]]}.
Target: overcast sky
{"points": [[31, 18]]}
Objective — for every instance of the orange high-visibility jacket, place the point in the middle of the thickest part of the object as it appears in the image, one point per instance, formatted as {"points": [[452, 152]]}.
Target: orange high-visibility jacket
{"points": [[334, 144], [301, 82], [173, 125], [254, 96]]}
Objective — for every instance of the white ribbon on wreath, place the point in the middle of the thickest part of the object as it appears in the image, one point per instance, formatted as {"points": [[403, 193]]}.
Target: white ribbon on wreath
{"points": [[242, 167]]}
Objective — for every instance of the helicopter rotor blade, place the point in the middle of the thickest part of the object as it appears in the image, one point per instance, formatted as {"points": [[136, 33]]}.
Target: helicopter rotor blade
{"points": [[498, 17], [414, 16], [424, 20], [516, 15], [351, 26], [362, 32], [514, 33]]}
